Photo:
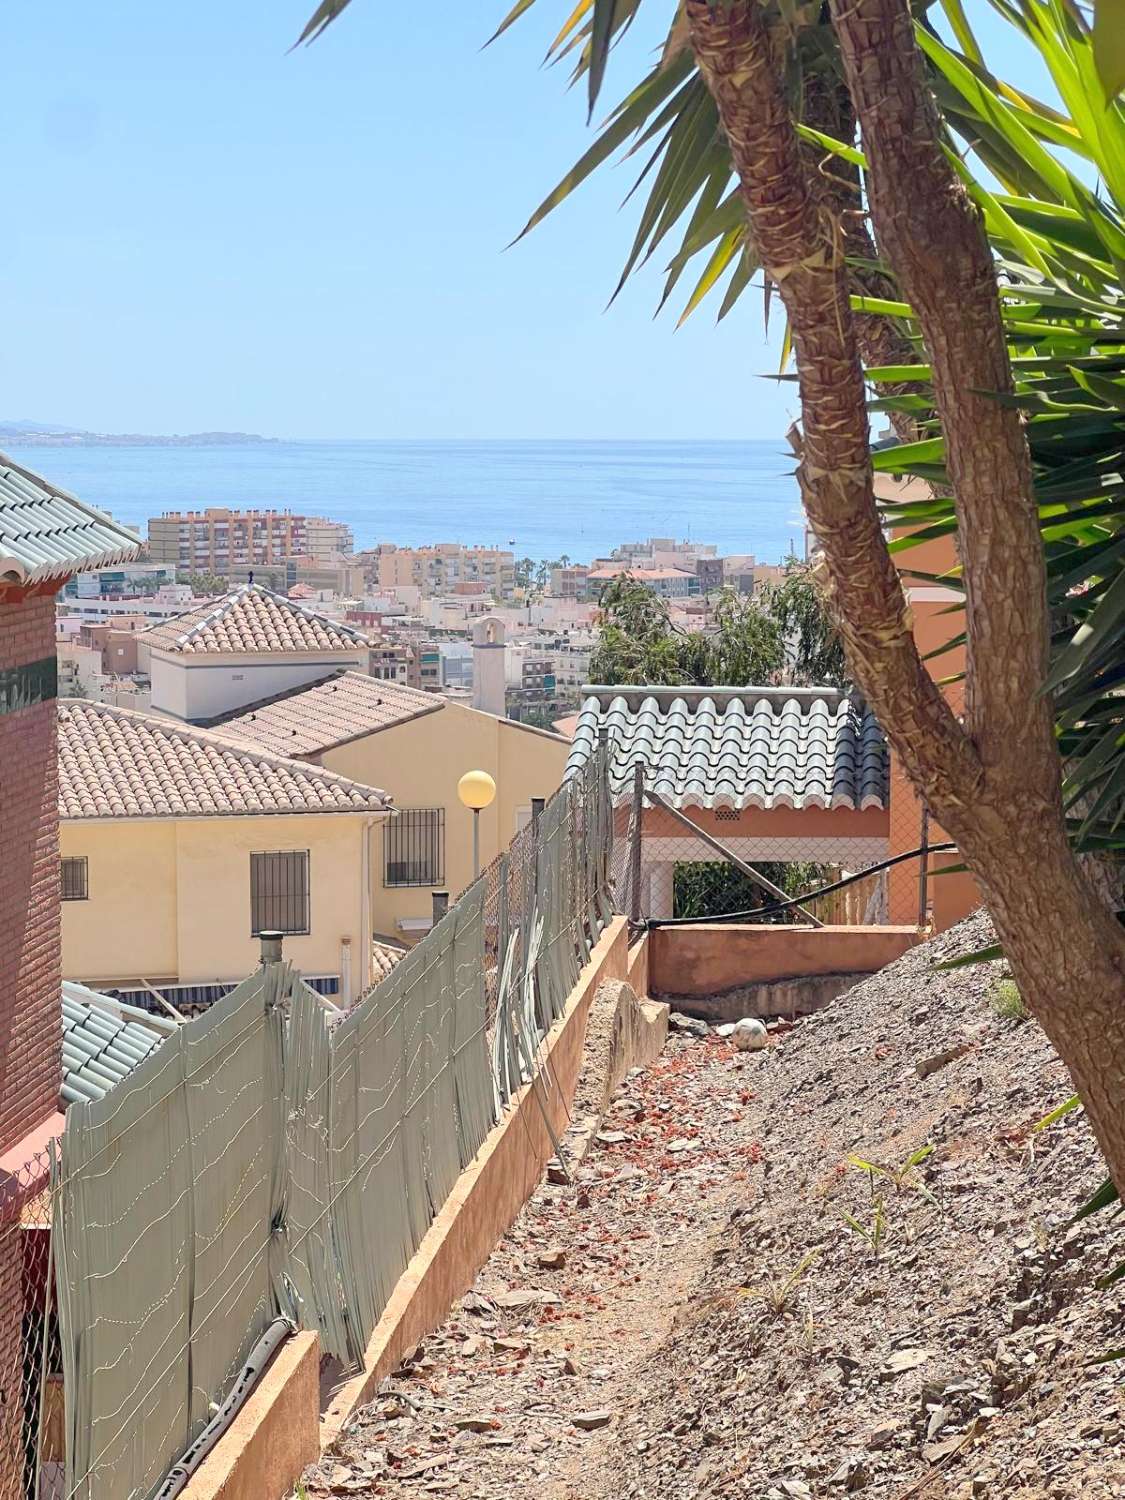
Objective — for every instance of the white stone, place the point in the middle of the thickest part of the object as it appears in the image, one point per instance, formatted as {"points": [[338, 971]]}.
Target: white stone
{"points": [[749, 1035]]}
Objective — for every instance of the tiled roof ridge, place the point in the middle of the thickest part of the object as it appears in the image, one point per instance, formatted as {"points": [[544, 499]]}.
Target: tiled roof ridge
{"points": [[201, 629], [247, 749], [779, 693], [230, 601]]}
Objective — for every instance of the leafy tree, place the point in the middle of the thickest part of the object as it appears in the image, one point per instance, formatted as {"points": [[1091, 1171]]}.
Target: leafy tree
{"points": [[750, 106], [207, 583], [523, 572], [815, 649], [783, 636], [639, 644]]}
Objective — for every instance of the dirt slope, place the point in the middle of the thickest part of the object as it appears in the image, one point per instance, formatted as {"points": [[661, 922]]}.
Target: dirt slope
{"points": [[954, 1361], [724, 1331]]}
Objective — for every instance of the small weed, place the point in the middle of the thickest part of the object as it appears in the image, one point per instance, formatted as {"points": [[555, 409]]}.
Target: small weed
{"points": [[808, 1330], [777, 1293], [902, 1176], [876, 1232], [1007, 1002]]}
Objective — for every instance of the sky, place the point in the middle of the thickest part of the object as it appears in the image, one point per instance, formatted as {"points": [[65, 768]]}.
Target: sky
{"points": [[207, 230]]}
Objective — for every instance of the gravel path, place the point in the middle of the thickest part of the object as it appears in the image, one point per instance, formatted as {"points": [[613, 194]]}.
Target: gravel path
{"points": [[518, 1393]]}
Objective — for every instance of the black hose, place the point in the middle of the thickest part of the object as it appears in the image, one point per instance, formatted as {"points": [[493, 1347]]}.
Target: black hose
{"points": [[252, 1371], [824, 890]]}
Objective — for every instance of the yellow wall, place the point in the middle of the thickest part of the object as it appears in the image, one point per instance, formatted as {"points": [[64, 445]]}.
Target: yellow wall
{"points": [[127, 928], [171, 899], [420, 763]]}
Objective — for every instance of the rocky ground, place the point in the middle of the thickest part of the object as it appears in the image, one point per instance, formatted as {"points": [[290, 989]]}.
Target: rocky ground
{"points": [[725, 1303]]}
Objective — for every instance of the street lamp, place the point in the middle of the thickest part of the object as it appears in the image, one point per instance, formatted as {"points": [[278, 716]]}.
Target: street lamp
{"points": [[476, 790]]}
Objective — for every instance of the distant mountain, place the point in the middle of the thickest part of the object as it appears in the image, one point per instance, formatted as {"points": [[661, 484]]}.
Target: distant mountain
{"points": [[24, 426], [30, 434]]}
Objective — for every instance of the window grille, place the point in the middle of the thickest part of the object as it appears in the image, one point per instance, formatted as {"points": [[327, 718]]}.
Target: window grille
{"points": [[414, 847], [75, 879], [279, 892]]}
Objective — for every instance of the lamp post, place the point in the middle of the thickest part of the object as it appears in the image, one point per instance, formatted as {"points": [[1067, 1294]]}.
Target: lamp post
{"points": [[476, 790]]}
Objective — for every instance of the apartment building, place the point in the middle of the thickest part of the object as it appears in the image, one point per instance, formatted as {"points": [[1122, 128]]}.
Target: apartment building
{"points": [[668, 583], [325, 541], [658, 552], [569, 582], [440, 569], [391, 660], [217, 540]]}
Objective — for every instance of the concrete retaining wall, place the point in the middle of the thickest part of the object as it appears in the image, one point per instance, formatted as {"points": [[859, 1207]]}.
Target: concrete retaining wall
{"points": [[784, 997], [711, 958]]}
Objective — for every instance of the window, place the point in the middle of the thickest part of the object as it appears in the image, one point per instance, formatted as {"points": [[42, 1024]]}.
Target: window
{"points": [[75, 879], [414, 847], [279, 892]]}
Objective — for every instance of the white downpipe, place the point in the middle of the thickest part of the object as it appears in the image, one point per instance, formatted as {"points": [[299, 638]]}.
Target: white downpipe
{"points": [[366, 935]]}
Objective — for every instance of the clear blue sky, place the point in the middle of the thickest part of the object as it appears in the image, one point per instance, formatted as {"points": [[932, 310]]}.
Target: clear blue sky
{"points": [[204, 230]]}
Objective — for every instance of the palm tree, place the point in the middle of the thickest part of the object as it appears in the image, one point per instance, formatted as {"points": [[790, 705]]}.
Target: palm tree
{"points": [[732, 112]]}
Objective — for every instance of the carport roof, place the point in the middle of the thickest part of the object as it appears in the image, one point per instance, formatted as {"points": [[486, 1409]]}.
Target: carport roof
{"points": [[743, 747]]}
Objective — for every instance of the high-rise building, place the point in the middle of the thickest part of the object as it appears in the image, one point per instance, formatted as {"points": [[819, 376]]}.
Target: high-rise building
{"points": [[440, 569], [218, 540]]}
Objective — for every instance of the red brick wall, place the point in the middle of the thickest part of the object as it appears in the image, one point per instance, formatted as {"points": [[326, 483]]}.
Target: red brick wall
{"points": [[30, 926]]}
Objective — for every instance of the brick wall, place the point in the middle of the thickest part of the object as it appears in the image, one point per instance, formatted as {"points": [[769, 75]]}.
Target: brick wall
{"points": [[30, 927]]}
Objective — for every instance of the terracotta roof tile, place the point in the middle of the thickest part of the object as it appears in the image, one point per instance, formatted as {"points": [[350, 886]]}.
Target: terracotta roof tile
{"points": [[341, 707], [738, 747], [253, 619], [114, 763]]}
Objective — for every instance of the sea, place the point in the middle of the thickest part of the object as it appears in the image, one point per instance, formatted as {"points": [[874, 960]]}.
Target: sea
{"points": [[540, 499]]}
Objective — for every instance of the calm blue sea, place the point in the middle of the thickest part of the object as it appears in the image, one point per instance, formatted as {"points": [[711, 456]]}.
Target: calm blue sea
{"points": [[542, 499]]}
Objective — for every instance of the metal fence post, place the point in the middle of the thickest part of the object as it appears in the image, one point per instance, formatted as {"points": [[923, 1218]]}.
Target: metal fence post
{"points": [[924, 869], [635, 847]]}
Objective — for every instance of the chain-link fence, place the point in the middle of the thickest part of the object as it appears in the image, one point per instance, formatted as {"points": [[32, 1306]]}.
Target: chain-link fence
{"points": [[699, 864], [31, 1384], [274, 1163]]}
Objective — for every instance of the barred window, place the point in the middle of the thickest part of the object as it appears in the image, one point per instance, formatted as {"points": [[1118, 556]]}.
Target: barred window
{"points": [[279, 892], [414, 847], [75, 879]]}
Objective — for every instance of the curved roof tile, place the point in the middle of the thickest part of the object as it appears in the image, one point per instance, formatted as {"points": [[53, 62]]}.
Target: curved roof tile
{"points": [[739, 747]]}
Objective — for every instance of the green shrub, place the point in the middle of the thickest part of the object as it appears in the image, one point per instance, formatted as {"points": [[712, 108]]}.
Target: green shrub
{"points": [[1007, 1002]]}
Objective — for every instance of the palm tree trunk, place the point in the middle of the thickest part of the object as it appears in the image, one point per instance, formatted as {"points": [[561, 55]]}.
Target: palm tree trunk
{"points": [[994, 782]]}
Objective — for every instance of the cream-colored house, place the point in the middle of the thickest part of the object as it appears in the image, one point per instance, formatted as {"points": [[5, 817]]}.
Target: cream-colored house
{"points": [[180, 845], [249, 645], [417, 746]]}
